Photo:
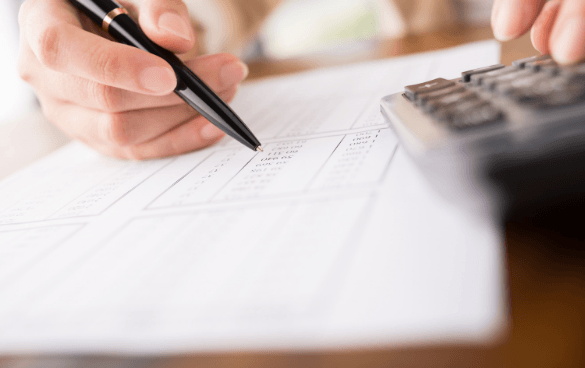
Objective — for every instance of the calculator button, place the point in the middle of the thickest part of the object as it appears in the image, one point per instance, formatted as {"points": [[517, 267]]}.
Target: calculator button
{"points": [[555, 92], [449, 101], [412, 92], [501, 83], [480, 115], [426, 97], [523, 62], [548, 66], [574, 70], [466, 76], [559, 100], [446, 112], [477, 79], [520, 81]]}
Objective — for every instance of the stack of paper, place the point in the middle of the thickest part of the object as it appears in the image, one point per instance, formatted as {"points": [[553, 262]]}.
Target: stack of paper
{"points": [[329, 238]]}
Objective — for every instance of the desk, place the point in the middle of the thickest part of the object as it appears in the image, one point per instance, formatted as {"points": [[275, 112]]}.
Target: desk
{"points": [[545, 275]]}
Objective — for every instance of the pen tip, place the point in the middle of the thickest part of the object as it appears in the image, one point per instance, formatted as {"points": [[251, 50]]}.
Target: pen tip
{"points": [[259, 148]]}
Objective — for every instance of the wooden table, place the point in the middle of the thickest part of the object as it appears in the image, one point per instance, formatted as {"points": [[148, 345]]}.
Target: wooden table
{"points": [[545, 275]]}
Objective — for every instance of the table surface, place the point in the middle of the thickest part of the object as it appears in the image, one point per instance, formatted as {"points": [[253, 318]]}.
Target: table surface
{"points": [[545, 273]]}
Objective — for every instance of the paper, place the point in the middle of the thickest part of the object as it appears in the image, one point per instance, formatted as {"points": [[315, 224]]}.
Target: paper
{"points": [[329, 238]]}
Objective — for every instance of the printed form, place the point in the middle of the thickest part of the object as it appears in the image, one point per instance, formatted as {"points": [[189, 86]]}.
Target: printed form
{"points": [[330, 238]]}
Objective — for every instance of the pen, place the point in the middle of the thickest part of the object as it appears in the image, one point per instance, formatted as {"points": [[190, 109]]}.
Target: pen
{"points": [[114, 19]]}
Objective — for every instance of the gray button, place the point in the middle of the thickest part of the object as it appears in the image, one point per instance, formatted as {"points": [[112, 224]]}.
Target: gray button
{"points": [[412, 92], [466, 76], [522, 62]]}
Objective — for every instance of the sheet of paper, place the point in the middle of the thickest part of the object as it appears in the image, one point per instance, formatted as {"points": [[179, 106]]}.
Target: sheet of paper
{"points": [[330, 238]]}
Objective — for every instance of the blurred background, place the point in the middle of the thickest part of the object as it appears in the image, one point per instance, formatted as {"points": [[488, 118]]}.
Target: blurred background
{"points": [[15, 96], [295, 29], [300, 27]]}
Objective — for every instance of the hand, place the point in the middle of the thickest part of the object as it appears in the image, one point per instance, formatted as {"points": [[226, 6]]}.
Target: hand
{"points": [[558, 26], [116, 98]]}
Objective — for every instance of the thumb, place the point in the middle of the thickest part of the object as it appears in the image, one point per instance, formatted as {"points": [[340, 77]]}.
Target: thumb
{"points": [[167, 23]]}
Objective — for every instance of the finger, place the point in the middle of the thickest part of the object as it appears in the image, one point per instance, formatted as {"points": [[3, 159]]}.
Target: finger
{"points": [[543, 26], [168, 24], [495, 10], [191, 136], [27, 63], [140, 126], [567, 40], [220, 72], [512, 18], [59, 43], [120, 129]]}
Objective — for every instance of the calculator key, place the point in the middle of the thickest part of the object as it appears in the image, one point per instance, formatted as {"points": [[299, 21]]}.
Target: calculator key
{"points": [[546, 65], [523, 62], [412, 92], [477, 79], [449, 101], [480, 115], [560, 100], [466, 76], [520, 81], [501, 82], [574, 70], [555, 92], [426, 97], [447, 112]]}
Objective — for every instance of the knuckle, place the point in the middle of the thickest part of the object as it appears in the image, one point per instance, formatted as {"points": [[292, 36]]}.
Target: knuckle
{"points": [[23, 12], [228, 95], [118, 153], [24, 72], [108, 65], [48, 111], [135, 153], [106, 97], [115, 130], [48, 46], [173, 148], [56, 113], [177, 4]]}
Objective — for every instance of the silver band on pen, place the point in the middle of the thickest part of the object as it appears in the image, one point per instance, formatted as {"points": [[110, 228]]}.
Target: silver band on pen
{"points": [[110, 17]]}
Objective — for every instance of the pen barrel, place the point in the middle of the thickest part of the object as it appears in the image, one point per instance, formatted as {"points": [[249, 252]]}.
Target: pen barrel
{"points": [[126, 31], [200, 97], [189, 86]]}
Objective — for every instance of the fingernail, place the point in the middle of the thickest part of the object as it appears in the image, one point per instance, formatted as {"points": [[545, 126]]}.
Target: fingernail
{"points": [[532, 39], [569, 45], [233, 73], [210, 132], [506, 19], [158, 80], [176, 25]]}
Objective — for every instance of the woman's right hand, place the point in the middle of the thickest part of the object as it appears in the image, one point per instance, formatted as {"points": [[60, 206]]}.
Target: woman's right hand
{"points": [[113, 97]]}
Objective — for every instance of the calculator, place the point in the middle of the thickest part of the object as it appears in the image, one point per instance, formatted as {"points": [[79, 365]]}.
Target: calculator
{"points": [[506, 139]]}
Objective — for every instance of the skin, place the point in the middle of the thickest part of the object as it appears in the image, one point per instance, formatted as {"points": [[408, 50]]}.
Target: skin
{"points": [[557, 26], [116, 98]]}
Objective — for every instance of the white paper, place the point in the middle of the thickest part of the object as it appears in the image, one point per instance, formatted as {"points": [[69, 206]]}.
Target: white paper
{"points": [[329, 238]]}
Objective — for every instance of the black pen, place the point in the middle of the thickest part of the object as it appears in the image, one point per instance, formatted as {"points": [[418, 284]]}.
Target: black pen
{"points": [[114, 19]]}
